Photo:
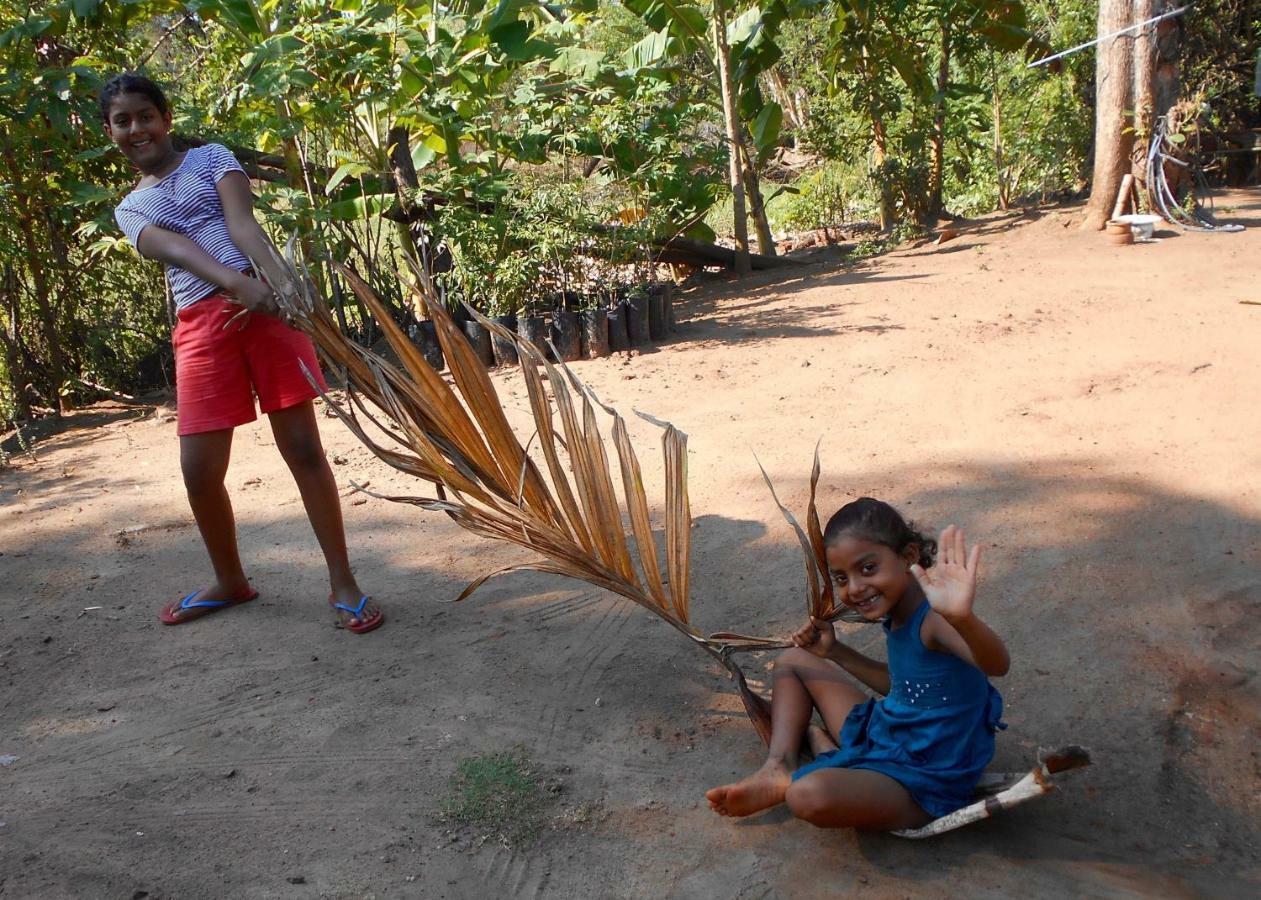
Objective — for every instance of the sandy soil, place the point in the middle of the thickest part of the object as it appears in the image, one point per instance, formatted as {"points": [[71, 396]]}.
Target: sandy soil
{"points": [[1087, 412]]}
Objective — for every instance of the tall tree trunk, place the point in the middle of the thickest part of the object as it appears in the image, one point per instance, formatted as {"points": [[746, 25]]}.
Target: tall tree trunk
{"points": [[405, 182], [879, 150], [1144, 48], [735, 146], [936, 204], [879, 144], [1114, 96], [1004, 186], [1156, 82], [753, 184]]}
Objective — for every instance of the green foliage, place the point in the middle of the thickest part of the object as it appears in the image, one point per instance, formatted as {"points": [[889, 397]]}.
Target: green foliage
{"points": [[534, 129], [825, 198]]}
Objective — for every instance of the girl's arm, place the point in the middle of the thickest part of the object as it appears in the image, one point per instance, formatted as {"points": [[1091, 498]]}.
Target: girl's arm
{"points": [[969, 639], [819, 637], [951, 588], [243, 228], [176, 250]]}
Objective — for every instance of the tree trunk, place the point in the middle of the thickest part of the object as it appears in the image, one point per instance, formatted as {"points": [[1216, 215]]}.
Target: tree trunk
{"points": [[936, 204], [753, 184], [1143, 102], [398, 148], [1156, 82], [1004, 186], [879, 145], [1114, 97], [735, 146]]}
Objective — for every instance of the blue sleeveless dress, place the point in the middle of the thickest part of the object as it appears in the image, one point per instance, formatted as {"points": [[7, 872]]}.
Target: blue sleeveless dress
{"points": [[933, 733]]}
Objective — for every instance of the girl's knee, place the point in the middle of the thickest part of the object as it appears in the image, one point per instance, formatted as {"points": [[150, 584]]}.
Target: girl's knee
{"points": [[202, 479], [303, 453], [794, 657], [806, 801]]}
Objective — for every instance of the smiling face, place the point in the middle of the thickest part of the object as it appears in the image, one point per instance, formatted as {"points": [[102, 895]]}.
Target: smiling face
{"points": [[873, 578], [141, 131]]}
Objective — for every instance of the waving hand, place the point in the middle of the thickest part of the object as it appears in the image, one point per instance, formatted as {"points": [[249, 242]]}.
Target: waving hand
{"points": [[950, 585]]}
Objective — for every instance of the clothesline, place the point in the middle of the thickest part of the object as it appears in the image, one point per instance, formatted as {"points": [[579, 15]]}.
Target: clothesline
{"points": [[1107, 37]]}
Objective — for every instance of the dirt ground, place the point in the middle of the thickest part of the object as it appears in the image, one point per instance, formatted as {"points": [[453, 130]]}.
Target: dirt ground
{"points": [[1087, 412]]}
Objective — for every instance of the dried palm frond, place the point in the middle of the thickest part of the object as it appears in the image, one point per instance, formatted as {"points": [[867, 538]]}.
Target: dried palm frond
{"points": [[457, 436], [820, 596]]}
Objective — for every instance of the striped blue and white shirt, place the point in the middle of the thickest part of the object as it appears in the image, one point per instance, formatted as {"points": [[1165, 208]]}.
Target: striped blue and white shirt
{"points": [[187, 202]]}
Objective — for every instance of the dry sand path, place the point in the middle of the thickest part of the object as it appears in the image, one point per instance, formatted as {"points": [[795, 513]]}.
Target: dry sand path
{"points": [[1087, 412]]}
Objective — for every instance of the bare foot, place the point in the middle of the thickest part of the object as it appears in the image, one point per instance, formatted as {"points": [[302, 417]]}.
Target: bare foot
{"points": [[819, 740], [761, 790]]}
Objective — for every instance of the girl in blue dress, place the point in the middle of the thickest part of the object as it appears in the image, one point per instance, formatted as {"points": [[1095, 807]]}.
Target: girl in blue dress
{"points": [[917, 753]]}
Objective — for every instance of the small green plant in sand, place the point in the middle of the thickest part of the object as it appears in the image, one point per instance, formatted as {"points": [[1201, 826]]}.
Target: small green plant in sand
{"points": [[501, 795]]}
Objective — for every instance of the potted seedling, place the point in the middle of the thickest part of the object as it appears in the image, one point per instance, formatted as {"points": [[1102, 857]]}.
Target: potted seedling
{"points": [[636, 306], [566, 333], [594, 317], [533, 323]]}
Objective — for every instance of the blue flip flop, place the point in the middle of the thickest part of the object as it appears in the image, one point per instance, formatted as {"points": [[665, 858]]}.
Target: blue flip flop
{"points": [[180, 611], [363, 625]]}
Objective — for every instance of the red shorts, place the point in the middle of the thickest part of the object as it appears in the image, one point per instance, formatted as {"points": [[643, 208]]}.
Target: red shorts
{"points": [[219, 371]]}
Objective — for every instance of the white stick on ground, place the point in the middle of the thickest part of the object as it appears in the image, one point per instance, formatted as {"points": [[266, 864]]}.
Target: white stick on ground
{"points": [[1032, 785]]}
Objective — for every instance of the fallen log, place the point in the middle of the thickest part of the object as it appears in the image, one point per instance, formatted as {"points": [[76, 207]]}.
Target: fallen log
{"points": [[701, 253]]}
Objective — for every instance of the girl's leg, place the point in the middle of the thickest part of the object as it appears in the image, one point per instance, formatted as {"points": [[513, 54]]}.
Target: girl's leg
{"points": [[802, 682], [854, 798], [298, 438], [204, 463]]}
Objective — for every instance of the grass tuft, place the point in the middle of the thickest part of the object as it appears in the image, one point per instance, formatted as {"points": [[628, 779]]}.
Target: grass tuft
{"points": [[502, 795]]}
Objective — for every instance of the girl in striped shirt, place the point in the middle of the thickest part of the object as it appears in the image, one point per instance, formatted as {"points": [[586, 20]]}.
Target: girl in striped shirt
{"points": [[194, 213]]}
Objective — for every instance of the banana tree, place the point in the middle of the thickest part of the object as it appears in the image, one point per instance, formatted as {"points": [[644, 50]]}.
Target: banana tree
{"points": [[734, 52]]}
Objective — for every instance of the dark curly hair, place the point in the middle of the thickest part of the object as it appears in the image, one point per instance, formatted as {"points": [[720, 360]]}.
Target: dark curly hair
{"points": [[131, 83], [877, 521]]}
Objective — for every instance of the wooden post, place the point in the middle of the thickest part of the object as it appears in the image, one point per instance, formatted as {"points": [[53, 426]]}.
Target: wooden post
{"points": [[1123, 196]]}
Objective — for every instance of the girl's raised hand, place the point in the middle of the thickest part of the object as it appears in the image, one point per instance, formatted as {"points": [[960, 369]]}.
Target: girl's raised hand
{"points": [[818, 636], [950, 585]]}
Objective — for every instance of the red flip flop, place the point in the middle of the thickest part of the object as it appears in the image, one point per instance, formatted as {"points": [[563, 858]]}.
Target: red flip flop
{"points": [[376, 620], [189, 608]]}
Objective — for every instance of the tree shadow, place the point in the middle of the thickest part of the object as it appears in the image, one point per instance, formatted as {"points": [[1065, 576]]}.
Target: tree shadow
{"points": [[758, 312], [72, 429]]}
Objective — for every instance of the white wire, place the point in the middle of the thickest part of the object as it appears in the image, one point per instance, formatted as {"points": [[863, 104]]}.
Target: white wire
{"points": [[1107, 37]]}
